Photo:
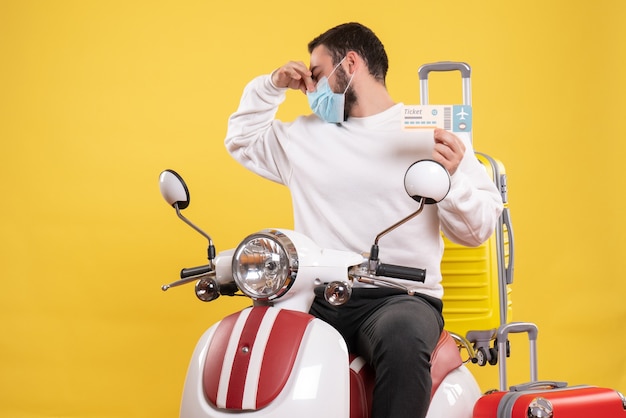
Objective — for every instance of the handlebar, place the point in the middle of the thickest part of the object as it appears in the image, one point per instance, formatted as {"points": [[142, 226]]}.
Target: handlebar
{"points": [[401, 272], [188, 275], [195, 271]]}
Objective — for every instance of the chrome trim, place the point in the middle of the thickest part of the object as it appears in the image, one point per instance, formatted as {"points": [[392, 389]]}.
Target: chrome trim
{"points": [[623, 398], [287, 246], [463, 343], [540, 408]]}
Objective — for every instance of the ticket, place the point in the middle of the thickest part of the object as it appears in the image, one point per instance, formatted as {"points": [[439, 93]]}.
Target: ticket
{"points": [[453, 118]]}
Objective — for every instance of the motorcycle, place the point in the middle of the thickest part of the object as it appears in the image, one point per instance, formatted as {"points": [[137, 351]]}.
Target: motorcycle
{"points": [[274, 359]]}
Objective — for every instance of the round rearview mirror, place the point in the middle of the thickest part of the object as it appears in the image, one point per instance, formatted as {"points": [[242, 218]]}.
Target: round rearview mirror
{"points": [[428, 180], [173, 189]]}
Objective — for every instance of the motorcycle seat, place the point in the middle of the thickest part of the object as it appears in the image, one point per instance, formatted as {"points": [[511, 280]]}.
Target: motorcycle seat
{"points": [[445, 358]]}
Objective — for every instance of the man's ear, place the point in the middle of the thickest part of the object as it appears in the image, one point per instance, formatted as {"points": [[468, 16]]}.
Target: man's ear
{"points": [[354, 61]]}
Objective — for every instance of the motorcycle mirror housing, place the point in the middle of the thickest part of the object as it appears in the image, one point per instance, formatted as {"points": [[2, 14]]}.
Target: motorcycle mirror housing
{"points": [[428, 180], [173, 189], [175, 192]]}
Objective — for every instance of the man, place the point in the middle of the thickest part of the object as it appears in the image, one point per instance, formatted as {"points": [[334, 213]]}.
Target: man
{"points": [[344, 166]]}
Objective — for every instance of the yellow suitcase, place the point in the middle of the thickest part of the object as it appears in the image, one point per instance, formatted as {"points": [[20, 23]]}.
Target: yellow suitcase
{"points": [[477, 280]]}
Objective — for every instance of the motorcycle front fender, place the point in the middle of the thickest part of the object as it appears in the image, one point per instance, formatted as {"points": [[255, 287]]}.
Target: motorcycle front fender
{"points": [[316, 384]]}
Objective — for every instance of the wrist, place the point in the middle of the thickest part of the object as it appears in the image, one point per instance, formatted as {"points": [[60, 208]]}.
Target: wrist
{"points": [[273, 84]]}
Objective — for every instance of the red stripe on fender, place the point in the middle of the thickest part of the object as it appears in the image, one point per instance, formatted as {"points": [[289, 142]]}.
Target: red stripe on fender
{"points": [[241, 362], [280, 354], [215, 357]]}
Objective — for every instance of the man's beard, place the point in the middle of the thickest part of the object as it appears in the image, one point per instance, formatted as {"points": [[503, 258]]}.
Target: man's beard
{"points": [[342, 83]]}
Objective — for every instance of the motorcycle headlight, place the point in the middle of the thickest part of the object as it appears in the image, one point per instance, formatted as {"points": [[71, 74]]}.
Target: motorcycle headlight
{"points": [[265, 265]]}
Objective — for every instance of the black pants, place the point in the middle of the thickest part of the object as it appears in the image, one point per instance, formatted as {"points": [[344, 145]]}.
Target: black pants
{"points": [[396, 333]]}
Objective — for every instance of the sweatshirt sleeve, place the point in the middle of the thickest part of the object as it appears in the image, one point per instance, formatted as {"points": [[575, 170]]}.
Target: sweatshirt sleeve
{"points": [[254, 138], [470, 211]]}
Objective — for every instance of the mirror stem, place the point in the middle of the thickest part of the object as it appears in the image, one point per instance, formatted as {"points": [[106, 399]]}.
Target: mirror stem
{"points": [[373, 260], [422, 203], [211, 249]]}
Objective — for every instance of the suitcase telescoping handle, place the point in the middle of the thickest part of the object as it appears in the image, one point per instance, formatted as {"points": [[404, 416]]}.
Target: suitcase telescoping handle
{"points": [[502, 338], [464, 68]]}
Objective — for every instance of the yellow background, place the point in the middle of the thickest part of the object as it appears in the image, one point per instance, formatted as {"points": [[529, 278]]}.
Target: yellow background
{"points": [[97, 97]]}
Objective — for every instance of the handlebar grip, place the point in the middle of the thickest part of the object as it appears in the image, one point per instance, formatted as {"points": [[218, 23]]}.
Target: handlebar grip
{"points": [[194, 271], [401, 272]]}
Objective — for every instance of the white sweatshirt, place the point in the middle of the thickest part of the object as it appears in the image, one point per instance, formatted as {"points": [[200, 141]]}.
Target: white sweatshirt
{"points": [[347, 181]]}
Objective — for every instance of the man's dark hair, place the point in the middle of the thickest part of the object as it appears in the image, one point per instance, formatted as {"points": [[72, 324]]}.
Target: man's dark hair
{"points": [[358, 38]]}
